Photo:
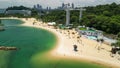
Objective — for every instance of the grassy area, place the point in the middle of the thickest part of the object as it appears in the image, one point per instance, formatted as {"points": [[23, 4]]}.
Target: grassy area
{"points": [[82, 28]]}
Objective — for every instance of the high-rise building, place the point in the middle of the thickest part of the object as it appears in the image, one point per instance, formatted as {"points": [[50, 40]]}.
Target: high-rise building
{"points": [[68, 4], [38, 6], [49, 8], [73, 5], [63, 5], [34, 6]]}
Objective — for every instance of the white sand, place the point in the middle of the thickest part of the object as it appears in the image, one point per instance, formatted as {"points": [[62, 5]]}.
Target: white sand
{"points": [[86, 50]]}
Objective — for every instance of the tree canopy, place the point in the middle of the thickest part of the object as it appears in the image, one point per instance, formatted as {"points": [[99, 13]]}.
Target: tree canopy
{"points": [[102, 17], [18, 8]]}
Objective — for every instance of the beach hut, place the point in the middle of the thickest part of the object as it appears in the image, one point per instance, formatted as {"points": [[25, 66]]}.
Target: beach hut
{"points": [[23, 12]]}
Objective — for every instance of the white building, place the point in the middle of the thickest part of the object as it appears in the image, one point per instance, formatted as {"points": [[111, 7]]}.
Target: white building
{"points": [[24, 12], [2, 11]]}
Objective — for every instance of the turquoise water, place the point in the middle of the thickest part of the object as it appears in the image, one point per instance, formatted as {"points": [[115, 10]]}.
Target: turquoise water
{"points": [[92, 37], [32, 44], [29, 40], [11, 22]]}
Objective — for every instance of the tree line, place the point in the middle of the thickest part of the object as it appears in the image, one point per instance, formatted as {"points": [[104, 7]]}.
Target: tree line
{"points": [[102, 17], [18, 8], [34, 12]]}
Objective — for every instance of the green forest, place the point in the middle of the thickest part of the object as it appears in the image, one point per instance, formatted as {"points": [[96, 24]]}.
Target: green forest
{"points": [[102, 17], [18, 8]]}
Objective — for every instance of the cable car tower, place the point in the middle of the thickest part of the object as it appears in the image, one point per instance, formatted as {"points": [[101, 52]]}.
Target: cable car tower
{"points": [[68, 9]]}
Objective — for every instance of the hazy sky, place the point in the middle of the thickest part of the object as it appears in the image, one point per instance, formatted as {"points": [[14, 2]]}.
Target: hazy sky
{"points": [[53, 3]]}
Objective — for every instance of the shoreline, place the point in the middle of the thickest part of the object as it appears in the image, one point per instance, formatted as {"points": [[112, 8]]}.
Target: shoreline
{"points": [[64, 47]]}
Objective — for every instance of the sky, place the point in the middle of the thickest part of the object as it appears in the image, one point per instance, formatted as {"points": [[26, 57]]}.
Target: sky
{"points": [[53, 3]]}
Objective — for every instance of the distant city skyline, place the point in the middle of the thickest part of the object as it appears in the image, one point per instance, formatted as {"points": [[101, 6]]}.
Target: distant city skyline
{"points": [[53, 3]]}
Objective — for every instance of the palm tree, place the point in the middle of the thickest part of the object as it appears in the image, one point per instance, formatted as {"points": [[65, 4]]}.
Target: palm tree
{"points": [[73, 33], [117, 46], [101, 41], [118, 35], [79, 40], [97, 43]]}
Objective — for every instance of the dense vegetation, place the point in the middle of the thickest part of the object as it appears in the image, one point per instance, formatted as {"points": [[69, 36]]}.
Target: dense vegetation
{"points": [[34, 13], [102, 17], [18, 8]]}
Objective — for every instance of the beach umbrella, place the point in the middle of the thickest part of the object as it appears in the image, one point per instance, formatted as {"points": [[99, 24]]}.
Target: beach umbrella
{"points": [[75, 47]]}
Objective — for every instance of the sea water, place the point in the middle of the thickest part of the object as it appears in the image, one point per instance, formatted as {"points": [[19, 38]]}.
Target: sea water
{"points": [[32, 43]]}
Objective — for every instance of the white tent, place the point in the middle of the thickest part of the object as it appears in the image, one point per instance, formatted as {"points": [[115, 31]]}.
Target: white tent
{"points": [[51, 23]]}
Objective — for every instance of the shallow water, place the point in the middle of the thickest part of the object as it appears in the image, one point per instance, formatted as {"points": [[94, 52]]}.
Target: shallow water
{"points": [[32, 43]]}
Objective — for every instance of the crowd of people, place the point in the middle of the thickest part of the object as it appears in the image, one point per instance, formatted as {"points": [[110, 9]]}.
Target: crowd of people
{"points": [[73, 34]]}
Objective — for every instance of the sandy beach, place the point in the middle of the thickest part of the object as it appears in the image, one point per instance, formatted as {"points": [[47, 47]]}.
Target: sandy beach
{"points": [[87, 49]]}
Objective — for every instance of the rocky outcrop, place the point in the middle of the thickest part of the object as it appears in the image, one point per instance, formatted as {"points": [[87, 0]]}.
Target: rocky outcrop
{"points": [[8, 48]]}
